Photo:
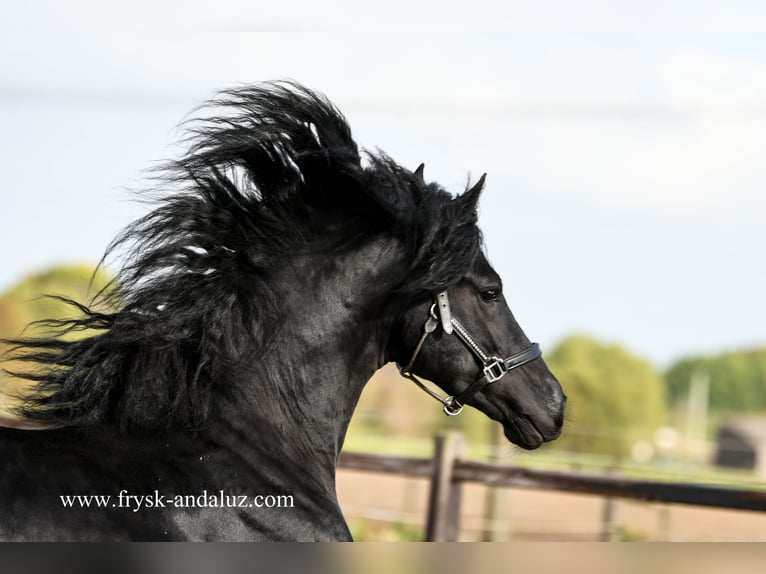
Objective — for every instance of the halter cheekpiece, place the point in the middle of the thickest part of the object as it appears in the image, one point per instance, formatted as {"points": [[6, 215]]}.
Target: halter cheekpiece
{"points": [[494, 368]]}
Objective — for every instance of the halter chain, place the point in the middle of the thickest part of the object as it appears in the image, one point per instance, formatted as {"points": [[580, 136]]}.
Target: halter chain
{"points": [[494, 368]]}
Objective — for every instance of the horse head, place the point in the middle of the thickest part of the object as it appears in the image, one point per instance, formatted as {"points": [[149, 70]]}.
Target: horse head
{"points": [[465, 339]]}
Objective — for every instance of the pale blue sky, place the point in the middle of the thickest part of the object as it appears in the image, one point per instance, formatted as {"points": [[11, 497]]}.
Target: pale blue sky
{"points": [[626, 181]]}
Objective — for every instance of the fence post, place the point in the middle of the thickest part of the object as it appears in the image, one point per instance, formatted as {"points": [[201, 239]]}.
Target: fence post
{"points": [[663, 523], [495, 514], [610, 517], [443, 521]]}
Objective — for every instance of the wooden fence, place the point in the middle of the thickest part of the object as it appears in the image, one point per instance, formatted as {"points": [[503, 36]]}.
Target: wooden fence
{"points": [[447, 472]]}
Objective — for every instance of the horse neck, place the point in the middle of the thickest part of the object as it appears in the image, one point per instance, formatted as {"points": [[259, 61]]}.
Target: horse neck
{"points": [[300, 397]]}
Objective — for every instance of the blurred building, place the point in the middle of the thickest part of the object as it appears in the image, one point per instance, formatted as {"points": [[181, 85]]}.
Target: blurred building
{"points": [[741, 443]]}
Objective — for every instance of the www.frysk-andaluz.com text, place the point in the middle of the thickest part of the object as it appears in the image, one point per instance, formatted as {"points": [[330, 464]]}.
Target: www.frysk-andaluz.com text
{"points": [[136, 502]]}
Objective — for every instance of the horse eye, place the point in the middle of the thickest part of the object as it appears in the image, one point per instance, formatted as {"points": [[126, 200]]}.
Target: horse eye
{"points": [[490, 295]]}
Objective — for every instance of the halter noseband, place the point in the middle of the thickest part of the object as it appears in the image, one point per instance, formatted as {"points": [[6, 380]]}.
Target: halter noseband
{"points": [[494, 368]]}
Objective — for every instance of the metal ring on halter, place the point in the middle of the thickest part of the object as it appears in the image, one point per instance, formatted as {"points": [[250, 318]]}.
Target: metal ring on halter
{"points": [[449, 408]]}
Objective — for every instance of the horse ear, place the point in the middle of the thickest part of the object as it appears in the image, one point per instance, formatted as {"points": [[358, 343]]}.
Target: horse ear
{"points": [[419, 173], [470, 199]]}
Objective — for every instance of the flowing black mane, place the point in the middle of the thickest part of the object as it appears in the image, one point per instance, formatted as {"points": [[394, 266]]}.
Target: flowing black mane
{"points": [[271, 173]]}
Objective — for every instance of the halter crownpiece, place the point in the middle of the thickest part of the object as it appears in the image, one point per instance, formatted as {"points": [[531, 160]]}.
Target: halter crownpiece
{"points": [[494, 368]]}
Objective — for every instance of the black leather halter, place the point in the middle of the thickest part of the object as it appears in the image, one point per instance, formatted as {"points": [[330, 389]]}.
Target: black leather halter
{"points": [[494, 368]]}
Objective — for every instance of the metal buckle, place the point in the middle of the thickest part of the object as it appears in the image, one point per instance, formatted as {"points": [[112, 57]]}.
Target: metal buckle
{"points": [[444, 312], [495, 370]]}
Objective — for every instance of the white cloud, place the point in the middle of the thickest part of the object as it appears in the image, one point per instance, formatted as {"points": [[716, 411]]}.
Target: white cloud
{"points": [[699, 78], [704, 150], [706, 164]]}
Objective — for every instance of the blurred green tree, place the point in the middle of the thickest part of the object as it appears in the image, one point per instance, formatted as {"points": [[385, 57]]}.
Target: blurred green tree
{"points": [[737, 380], [615, 397], [25, 303]]}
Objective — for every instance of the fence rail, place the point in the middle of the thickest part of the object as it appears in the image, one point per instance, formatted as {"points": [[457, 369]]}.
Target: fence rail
{"points": [[448, 471]]}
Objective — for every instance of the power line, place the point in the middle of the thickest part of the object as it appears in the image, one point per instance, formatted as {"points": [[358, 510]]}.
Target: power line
{"points": [[529, 109]]}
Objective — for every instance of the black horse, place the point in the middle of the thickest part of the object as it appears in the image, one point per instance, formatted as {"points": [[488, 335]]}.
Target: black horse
{"points": [[277, 272]]}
